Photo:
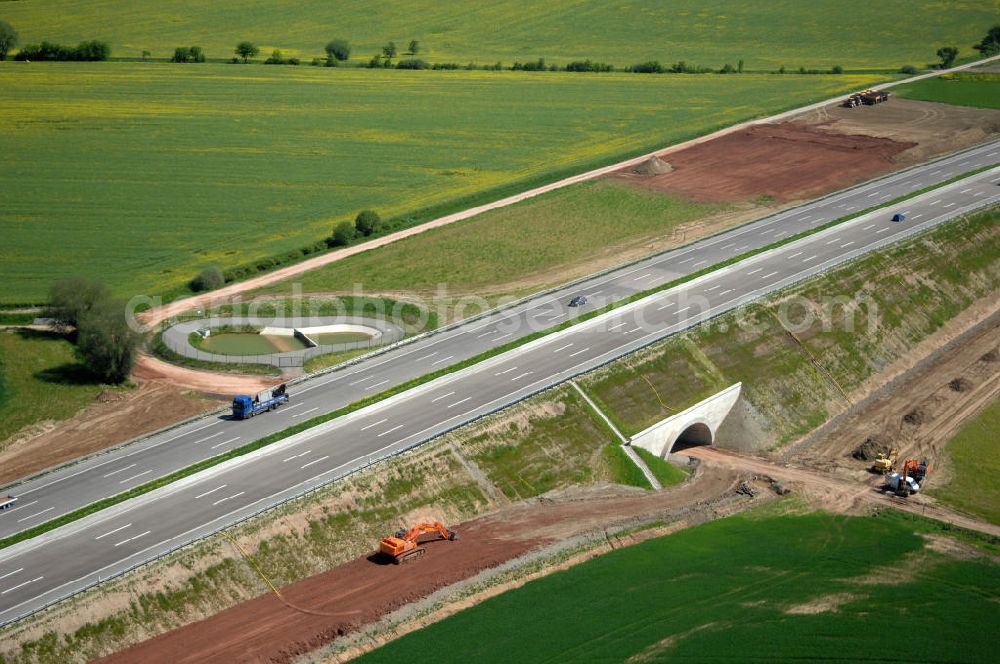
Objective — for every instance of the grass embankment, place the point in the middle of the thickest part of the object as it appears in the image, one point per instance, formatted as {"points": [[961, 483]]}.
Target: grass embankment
{"points": [[758, 585], [852, 33], [972, 455], [667, 473], [980, 89], [514, 250], [173, 155], [40, 380], [912, 289], [546, 443]]}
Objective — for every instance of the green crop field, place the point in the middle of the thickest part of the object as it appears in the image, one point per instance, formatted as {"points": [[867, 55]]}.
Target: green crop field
{"points": [[767, 35], [754, 587], [975, 466], [962, 89], [139, 174]]}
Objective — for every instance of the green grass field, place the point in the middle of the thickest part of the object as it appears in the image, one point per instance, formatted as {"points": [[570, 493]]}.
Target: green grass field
{"points": [[962, 89], [754, 587], [515, 249], [973, 458], [140, 174], [40, 379], [853, 33]]}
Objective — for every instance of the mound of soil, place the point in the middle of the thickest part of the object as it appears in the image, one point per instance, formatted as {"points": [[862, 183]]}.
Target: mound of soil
{"points": [[871, 448], [960, 384], [915, 416], [653, 166]]}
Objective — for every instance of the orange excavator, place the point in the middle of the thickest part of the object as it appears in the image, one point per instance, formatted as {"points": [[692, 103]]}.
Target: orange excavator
{"points": [[405, 546]]}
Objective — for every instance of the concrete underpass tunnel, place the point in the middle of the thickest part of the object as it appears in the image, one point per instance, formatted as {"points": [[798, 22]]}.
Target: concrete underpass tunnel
{"points": [[695, 434]]}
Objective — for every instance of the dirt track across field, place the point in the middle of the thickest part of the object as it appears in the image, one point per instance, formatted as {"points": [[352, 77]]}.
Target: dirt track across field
{"points": [[267, 630]]}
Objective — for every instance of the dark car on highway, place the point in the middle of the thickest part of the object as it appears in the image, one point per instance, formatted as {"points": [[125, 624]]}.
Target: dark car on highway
{"points": [[577, 301]]}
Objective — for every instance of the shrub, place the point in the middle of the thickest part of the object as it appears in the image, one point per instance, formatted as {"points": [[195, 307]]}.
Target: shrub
{"points": [[449, 65], [837, 69], [908, 69], [649, 67], [188, 54], [89, 51], [208, 279], [343, 234], [367, 222], [538, 65], [413, 63], [684, 68], [589, 66], [990, 44], [338, 49]]}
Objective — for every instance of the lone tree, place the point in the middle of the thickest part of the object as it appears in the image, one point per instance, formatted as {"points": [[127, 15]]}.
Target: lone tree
{"points": [[947, 55], [413, 47], [70, 300], [343, 234], [990, 45], [389, 50], [8, 38], [246, 50], [338, 49], [367, 222], [105, 342]]}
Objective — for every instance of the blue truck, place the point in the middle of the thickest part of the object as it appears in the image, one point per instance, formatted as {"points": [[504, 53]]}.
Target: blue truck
{"points": [[245, 406]]}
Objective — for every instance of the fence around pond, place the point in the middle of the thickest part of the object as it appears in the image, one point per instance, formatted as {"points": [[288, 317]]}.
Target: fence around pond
{"points": [[176, 338]]}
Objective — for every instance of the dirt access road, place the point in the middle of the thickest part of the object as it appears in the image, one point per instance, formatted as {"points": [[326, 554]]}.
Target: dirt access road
{"points": [[346, 597]]}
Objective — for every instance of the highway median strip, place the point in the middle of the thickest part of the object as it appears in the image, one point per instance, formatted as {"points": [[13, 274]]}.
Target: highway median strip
{"points": [[453, 368]]}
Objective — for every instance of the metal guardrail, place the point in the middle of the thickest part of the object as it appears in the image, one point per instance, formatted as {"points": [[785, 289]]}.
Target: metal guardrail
{"points": [[368, 461]]}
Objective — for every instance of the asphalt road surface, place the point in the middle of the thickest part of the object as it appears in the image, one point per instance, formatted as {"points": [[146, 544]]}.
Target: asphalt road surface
{"points": [[37, 572]]}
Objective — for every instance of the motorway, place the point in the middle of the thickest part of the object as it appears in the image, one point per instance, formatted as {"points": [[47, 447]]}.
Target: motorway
{"points": [[38, 571]]}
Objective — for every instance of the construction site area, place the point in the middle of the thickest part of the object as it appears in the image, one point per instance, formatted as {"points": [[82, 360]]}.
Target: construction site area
{"points": [[846, 423]]}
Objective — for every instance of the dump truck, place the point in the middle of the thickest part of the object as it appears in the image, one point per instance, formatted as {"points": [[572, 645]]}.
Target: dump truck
{"points": [[405, 546], [245, 406], [6, 502]]}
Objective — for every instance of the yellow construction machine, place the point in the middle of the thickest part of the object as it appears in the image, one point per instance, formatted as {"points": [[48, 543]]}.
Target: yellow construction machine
{"points": [[884, 462]]}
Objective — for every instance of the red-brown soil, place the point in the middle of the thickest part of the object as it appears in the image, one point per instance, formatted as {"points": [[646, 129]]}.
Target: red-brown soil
{"points": [[267, 630], [787, 162], [113, 418]]}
